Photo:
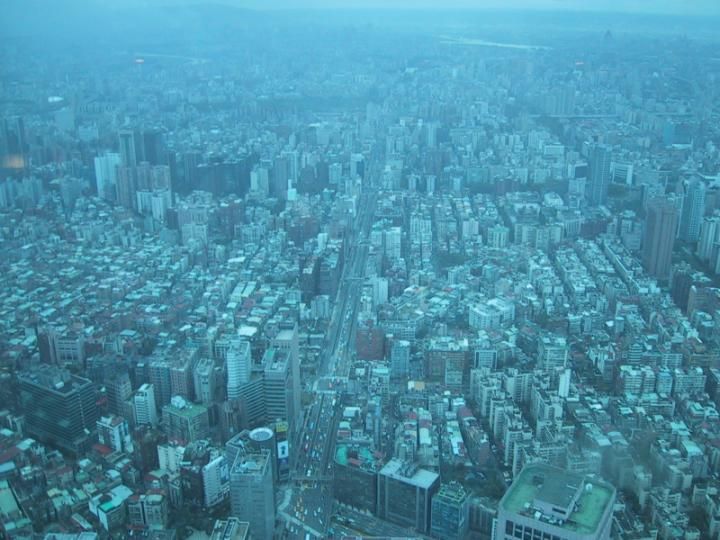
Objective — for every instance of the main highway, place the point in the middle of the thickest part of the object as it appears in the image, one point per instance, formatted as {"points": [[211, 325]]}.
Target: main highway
{"points": [[307, 503]]}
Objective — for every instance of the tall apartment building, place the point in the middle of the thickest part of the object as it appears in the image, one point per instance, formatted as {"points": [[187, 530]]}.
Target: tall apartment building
{"points": [[145, 406]]}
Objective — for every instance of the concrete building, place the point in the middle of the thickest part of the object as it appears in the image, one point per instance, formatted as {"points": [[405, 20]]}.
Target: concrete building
{"points": [[239, 367], [693, 209], [252, 493], [185, 421], [449, 516], [106, 175], [355, 477], [59, 407], [114, 433], [599, 159], [547, 502], [404, 494], [145, 406], [660, 228]]}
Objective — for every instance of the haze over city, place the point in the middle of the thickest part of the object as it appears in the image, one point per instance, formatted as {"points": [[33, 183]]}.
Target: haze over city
{"points": [[303, 269]]}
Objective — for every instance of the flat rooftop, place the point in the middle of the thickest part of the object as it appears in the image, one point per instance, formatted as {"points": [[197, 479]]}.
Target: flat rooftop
{"points": [[398, 470], [558, 487], [360, 456]]}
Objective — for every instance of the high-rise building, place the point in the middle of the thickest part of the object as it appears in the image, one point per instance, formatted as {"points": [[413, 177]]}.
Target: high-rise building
{"points": [[239, 367], [693, 208], [277, 385], [404, 494], [552, 352], [287, 340], [400, 358], [106, 175], [114, 433], [119, 391], [547, 502], [599, 178], [216, 481], [449, 516], [59, 407], [498, 236], [145, 405], [204, 381], [185, 421], [660, 228], [355, 476], [709, 238], [129, 147], [252, 493]]}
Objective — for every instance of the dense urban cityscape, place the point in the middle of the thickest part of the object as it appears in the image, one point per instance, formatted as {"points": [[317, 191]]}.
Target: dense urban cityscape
{"points": [[344, 274]]}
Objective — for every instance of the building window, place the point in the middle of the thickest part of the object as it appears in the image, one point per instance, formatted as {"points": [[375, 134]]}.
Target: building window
{"points": [[509, 527]]}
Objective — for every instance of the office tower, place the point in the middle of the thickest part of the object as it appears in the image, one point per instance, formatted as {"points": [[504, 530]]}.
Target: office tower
{"points": [[392, 242], [59, 407], [660, 228], [184, 421], [547, 502], [277, 385], [238, 366], [145, 406], [14, 139], [128, 143], [252, 493], [599, 177], [153, 147], [357, 165], [709, 238], [449, 516], [693, 208], [113, 432], [355, 476], [404, 494], [259, 440], [119, 391], [564, 383], [160, 376], [400, 358], [287, 340], [106, 175], [204, 381], [126, 186], [279, 179], [130, 147]]}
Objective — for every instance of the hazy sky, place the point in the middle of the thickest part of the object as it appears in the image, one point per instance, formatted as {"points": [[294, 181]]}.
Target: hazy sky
{"points": [[690, 7]]}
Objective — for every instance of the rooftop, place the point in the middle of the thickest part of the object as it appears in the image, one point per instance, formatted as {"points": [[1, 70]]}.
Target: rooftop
{"points": [[356, 456], [543, 484], [404, 472]]}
